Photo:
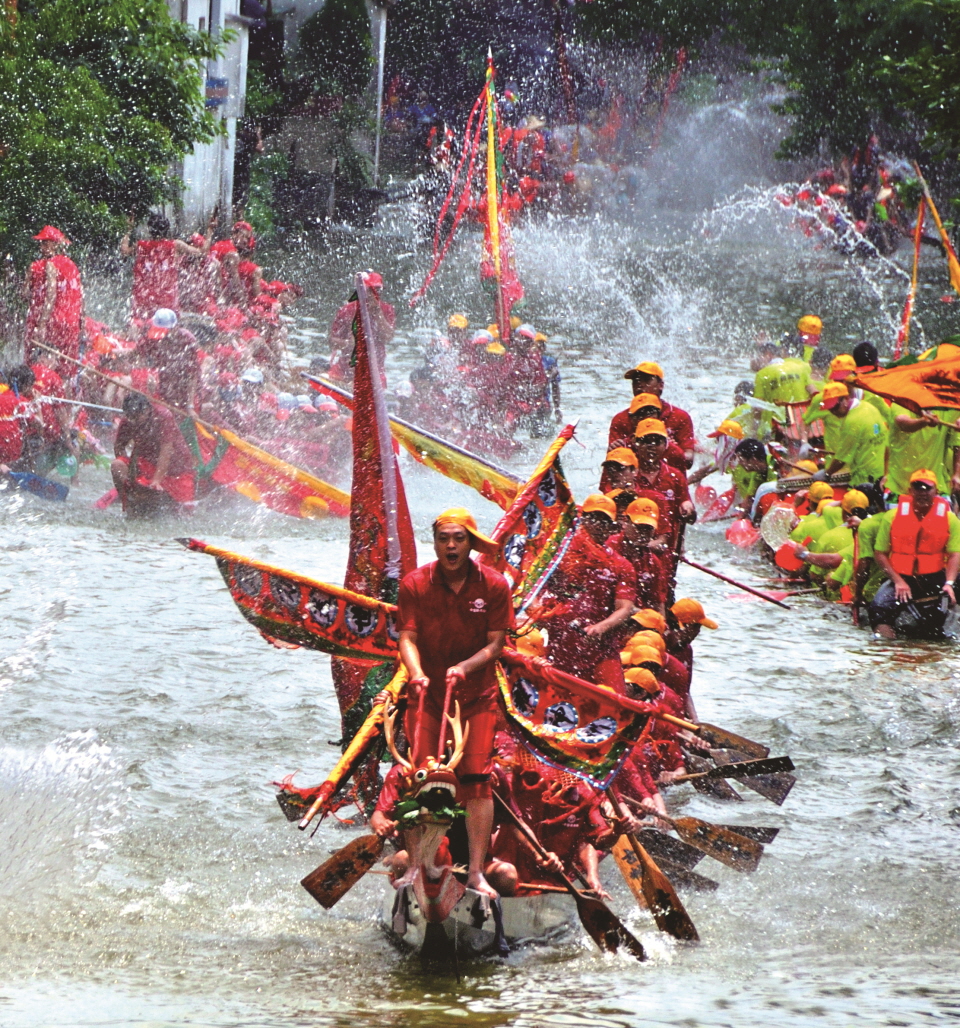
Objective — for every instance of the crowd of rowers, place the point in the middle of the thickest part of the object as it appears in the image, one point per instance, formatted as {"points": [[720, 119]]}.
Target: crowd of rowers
{"points": [[205, 338], [867, 484], [477, 386], [607, 614]]}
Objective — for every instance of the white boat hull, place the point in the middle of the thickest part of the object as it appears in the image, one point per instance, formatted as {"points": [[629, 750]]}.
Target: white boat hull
{"points": [[471, 927]]}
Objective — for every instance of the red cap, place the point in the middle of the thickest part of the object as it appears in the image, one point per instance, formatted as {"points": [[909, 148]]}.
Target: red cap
{"points": [[50, 234], [372, 280], [242, 226], [198, 240]]}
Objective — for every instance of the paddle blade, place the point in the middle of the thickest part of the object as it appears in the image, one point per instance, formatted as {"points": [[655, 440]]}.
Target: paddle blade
{"points": [[45, 488], [338, 875], [727, 847], [761, 835], [774, 787], [684, 879], [662, 899], [663, 847], [718, 788], [749, 768], [720, 737], [605, 928]]}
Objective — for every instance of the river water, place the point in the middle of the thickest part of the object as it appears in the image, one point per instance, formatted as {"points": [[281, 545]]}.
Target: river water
{"points": [[147, 876]]}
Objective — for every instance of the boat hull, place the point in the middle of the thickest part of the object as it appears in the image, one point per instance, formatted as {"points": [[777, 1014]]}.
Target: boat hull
{"points": [[472, 929]]}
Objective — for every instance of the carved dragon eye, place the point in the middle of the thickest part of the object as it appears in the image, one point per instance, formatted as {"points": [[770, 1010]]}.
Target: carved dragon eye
{"points": [[420, 775]]}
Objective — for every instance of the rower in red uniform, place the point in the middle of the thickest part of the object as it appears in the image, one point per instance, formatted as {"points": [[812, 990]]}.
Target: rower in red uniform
{"points": [[642, 407], [384, 318], [592, 592], [156, 267], [657, 480], [249, 273], [153, 461], [55, 297], [647, 377], [453, 616], [639, 523], [173, 352]]}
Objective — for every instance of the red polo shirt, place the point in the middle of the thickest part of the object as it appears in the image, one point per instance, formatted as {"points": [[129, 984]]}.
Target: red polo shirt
{"points": [[453, 626], [679, 428]]}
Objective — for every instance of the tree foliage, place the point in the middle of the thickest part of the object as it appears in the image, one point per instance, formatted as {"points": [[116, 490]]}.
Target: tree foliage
{"points": [[98, 98], [335, 48]]}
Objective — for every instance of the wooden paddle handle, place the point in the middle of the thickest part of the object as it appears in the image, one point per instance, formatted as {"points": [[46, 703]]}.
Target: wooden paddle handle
{"points": [[689, 725], [532, 841]]}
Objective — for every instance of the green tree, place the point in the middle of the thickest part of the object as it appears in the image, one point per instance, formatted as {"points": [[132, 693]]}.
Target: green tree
{"points": [[98, 98], [335, 48]]}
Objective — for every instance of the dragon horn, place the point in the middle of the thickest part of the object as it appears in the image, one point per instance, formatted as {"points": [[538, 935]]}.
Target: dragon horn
{"points": [[388, 722], [459, 736]]}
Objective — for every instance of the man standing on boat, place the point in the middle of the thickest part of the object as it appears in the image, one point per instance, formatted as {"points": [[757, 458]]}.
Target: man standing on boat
{"points": [[55, 296], [453, 617], [342, 343]]}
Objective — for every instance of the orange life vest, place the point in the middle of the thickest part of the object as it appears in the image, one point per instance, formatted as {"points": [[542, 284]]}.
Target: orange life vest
{"points": [[918, 545]]}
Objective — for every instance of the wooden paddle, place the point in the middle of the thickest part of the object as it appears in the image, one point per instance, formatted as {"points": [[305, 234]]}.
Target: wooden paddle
{"points": [[336, 876], [730, 848], [663, 847], [758, 834], [601, 924], [743, 769], [732, 581], [718, 736], [718, 788], [658, 892], [773, 787]]}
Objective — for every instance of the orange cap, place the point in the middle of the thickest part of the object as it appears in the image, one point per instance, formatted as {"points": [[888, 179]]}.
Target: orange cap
{"points": [[598, 502], [648, 637], [650, 426], [650, 618], [841, 367], [645, 368], [690, 612], [621, 455], [645, 400], [462, 517], [458, 320], [643, 511], [924, 475], [645, 655], [643, 679], [833, 393]]}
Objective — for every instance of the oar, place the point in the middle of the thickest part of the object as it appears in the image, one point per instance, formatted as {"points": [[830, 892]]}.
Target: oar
{"points": [[337, 875], [628, 863], [773, 787], [732, 581], [45, 488], [660, 896], [755, 832], [718, 788], [718, 736], [736, 851], [601, 924], [743, 769], [663, 847]]}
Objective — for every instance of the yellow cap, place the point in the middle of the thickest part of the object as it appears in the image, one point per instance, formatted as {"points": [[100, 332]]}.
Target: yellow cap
{"points": [[807, 465], [458, 321], [727, 427], [597, 502], [645, 368], [498, 348], [515, 322], [532, 643], [643, 511], [810, 325], [825, 502], [645, 400], [643, 679], [820, 491], [539, 338], [690, 612], [924, 475], [494, 330], [462, 517], [650, 618], [833, 393], [852, 499], [841, 367], [650, 426]]}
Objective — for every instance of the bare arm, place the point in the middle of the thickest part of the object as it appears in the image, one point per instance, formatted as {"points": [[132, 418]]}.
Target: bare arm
{"points": [[903, 592], [622, 609]]}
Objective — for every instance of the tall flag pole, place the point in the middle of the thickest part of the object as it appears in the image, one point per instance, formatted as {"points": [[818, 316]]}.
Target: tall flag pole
{"points": [[903, 336], [952, 263], [493, 209]]}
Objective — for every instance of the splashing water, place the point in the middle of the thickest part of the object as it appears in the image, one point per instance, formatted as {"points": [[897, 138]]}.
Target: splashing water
{"points": [[58, 806]]}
